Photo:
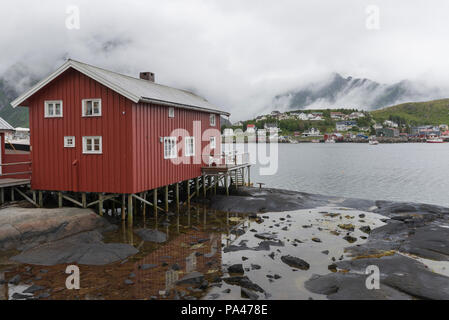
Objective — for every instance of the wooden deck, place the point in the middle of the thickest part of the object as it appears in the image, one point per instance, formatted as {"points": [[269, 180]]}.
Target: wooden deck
{"points": [[9, 182], [211, 170]]}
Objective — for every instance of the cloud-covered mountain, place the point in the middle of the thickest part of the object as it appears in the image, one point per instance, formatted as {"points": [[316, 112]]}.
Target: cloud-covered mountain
{"points": [[339, 92]]}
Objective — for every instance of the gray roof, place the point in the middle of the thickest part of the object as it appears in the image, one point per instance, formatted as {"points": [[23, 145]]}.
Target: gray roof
{"points": [[5, 125], [133, 88]]}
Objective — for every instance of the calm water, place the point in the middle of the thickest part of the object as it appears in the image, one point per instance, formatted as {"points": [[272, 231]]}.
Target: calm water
{"points": [[415, 172]]}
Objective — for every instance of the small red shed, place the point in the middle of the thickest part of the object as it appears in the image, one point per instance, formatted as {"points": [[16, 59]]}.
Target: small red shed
{"points": [[94, 130]]}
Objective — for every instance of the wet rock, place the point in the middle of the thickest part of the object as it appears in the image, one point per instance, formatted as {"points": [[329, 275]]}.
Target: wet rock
{"points": [[295, 262], [326, 252], [15, 280], [265, 236], [43, 295], [19, 296], [24, 228], [401, 278], [276, 276], [33, 289], [316, 239], [236, 268], [244, 258], [238, 232], [150, 235], [365, 229], [271, 255], [226, 291], [148, 266], [85, 248], [332, 267], [362, 215], [350, 239], [248, 294], [243, 282], [195, 278], [347, 227], [255, 267]]}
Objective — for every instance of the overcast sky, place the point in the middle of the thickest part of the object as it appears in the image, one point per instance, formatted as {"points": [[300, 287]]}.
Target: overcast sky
{"points": [[238, 54]]}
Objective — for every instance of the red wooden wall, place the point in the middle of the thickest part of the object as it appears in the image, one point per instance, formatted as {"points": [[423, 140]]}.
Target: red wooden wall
{"points": [[150, 123], [132, 160]]}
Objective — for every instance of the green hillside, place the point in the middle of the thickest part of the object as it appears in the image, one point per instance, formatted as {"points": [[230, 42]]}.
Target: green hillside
{"points": [[416, 113], [17, 117]]}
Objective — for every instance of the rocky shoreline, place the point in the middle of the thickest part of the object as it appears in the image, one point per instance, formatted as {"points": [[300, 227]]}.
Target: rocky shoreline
{"points": [[412, 231], [295, 246]]}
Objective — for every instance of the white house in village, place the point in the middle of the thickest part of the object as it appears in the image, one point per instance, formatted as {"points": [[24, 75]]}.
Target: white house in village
{"points": [[313, 132], [390, 124], [228, 132]]}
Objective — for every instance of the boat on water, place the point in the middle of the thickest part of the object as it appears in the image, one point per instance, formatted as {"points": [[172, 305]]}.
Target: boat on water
{"points": [[435, 140], [373, 142]]}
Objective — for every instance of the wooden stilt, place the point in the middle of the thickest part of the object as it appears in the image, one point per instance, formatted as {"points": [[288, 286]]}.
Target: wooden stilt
{"points": [[226, 183], [34, 196], [12, 194], [130, 210], [41, 199], [84, 199], [100, 204], [249, 176], [144, 209], [60, 199], [215, 184], [123, 207], [177, 196], [197, 187], [155, 203], [188, 194], [2, 195], [204, 186], [166, 198]]}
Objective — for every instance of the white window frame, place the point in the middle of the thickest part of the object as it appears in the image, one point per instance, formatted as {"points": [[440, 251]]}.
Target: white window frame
{"points": [[212, 120], [171, 112], [85, 151], [188, 141], [174, 152], [213, 142], [84, 105], [47, 104], [66, 142]]}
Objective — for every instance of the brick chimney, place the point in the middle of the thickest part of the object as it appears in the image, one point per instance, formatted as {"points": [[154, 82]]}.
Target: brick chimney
{"points": [[149, 76]]}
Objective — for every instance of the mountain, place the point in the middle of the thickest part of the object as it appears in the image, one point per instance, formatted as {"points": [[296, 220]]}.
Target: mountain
{"points": [[17, 117], [339, 92], [434, 112]]}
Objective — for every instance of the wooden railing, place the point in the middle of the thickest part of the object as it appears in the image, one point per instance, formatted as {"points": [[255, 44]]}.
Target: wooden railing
{"points": [[2, 165], [233, 158]]}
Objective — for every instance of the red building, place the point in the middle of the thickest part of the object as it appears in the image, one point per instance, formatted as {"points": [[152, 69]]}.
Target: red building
{"points": [[94, 130]]}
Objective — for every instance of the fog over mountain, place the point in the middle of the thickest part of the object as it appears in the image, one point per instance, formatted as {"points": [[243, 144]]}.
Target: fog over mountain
{"points": [[336, 91], [245, 57]]}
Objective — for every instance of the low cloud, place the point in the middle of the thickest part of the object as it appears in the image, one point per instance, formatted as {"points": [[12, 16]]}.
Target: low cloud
{"points": [[238, 54]]}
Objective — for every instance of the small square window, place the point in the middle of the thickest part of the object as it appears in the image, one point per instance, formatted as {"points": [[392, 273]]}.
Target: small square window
{"points": [[171, 112], [69, 142], [212, 120], [53, 109], [213, 143], [92, 145], [91, 108]]}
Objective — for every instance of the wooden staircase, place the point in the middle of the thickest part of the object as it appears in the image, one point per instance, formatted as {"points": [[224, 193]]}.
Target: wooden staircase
{"points": [[239, 181]]}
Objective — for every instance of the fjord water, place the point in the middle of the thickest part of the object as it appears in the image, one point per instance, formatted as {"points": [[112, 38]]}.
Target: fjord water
{"points": [[415, 172]]}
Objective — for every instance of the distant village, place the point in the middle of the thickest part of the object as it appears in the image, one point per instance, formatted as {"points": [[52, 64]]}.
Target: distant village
{"points": [[342, 125]]}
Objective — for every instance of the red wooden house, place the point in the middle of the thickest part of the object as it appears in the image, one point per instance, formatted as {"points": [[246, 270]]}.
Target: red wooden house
{"points": [[94, 130]]}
